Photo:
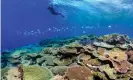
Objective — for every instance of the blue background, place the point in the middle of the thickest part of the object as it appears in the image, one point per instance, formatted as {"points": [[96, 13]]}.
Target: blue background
{"points": [[20, 16]]}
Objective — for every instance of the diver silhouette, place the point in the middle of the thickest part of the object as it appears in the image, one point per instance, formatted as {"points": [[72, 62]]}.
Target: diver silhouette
{"points": [[52, 10]]}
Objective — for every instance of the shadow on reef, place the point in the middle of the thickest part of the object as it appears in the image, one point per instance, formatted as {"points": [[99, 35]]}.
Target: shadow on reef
{"points": [[88, 57]]}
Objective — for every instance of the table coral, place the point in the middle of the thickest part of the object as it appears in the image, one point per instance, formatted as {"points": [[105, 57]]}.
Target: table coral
{"points": [[36, 73], [122, 67], [78, 73], [109, 71], [117, 55], [68, 50], [108, 57], [83, 58], [59, 70], [62, 62]]}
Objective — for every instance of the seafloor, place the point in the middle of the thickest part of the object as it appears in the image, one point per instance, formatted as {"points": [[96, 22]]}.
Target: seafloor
{"points": [[88, 57]]}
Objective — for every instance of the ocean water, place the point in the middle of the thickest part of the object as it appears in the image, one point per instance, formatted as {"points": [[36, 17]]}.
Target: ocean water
{"points": [[26, 22], [54, 39]]}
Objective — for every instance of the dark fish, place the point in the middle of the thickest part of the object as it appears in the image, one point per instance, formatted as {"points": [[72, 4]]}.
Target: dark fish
{"points": [[52, 10]]}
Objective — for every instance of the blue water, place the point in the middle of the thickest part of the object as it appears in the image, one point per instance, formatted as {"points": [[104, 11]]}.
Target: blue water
{"points": [[27, 22]]}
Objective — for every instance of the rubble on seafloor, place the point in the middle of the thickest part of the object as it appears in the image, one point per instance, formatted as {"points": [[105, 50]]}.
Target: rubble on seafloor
{"points": [[108, 57]]}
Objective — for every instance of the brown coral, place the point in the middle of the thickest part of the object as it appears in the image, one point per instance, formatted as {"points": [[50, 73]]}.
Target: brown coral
{"points": [[130, 55], [78, 73], [109, 71], [80, 59], [62, 62], [115, 55], [118, 59], [122, 67], [20, 70], [83, 58], [67, 50], [101, 51], [118, 55], [89, 48], [131, 72], [94, 62]]}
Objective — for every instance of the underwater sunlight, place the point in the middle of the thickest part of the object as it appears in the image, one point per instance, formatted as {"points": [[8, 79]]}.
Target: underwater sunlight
{"points": [[67, 40]]}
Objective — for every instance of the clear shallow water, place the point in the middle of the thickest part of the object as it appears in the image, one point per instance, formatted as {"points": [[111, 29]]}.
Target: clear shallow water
{"points": [[26, 22]]}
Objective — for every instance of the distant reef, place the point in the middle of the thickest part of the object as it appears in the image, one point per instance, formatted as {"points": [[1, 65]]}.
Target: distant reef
{"points": [[87, 57]]}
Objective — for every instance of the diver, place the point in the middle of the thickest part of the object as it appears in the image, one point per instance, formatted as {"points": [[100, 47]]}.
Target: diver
{"points": [[52, 10]]}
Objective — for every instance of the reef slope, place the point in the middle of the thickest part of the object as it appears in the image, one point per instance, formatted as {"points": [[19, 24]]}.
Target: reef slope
{"points": [[88, 57]]}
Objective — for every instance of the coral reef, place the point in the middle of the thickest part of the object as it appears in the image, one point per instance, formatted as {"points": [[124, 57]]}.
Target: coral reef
{"points": [[109, 71], [14, 74], [59, 70], [36, 73], [78, 73], [4, 73], [88, 57], [59, 77]]}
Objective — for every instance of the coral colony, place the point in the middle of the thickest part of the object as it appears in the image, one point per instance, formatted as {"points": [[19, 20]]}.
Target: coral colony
{"points": [[88, 57]]}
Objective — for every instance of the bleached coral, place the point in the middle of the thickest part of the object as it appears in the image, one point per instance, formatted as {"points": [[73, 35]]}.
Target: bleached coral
{"points": [[14, 74]]}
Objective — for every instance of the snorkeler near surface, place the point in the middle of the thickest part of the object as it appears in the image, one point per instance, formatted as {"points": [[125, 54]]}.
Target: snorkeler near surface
{"points": [[52, 10]]}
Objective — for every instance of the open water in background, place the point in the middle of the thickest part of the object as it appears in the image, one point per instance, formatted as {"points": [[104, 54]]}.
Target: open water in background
{"points": [[26, 22]]}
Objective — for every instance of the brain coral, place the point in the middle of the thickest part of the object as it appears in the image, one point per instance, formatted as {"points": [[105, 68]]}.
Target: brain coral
{"points": [[36, 73]]}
